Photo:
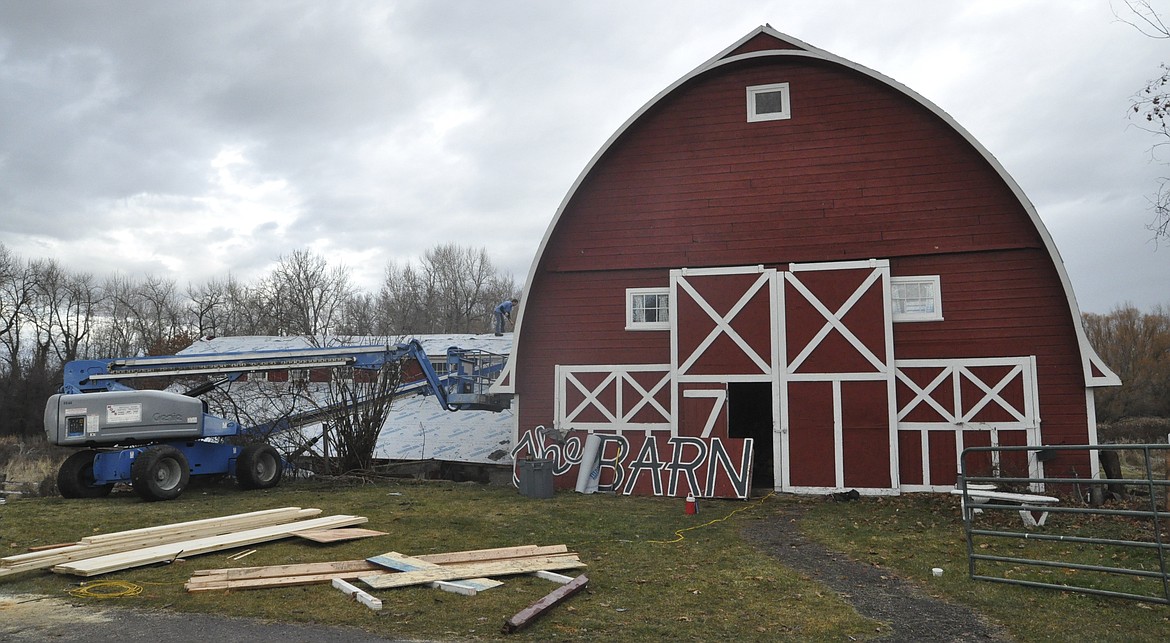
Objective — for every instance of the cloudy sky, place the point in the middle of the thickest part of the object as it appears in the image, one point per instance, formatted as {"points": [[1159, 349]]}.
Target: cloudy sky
{"points": [[192, 140]]}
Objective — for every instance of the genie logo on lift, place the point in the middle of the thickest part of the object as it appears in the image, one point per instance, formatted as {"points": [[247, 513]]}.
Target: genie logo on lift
{"points": [[172, 418]]}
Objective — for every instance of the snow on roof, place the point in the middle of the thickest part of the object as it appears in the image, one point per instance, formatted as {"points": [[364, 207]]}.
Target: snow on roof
{"points": [[434, 345]]}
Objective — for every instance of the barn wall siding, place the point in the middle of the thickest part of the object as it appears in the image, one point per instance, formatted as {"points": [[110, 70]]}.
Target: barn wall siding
{"points": [[877, 176], [861, 171]]}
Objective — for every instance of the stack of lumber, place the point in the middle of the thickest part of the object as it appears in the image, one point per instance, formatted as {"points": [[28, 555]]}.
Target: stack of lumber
{"points": [[475, 569], [194, 547], [174, 537], [339, 534], [466, 572], [451, 566]]}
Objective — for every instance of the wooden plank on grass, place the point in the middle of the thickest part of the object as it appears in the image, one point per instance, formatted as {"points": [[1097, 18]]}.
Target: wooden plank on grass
{"points": [[279, 575], [170, 551], [221, 524], [553, 576], [338, 535], [473, 570], [404, 563], [39, 548], [276, 571], [117, 542], [498, 553], [295, 575], [359, 595], [537, 609], [208, 583]]}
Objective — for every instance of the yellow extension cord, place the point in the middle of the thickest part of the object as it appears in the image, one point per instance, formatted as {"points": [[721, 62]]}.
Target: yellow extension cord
{"points": [[106, 589], [679, 533]]}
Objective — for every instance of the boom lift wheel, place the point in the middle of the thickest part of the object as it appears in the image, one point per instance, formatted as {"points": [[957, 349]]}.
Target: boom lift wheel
{"points": [[259, 467], [160, 472], [75, 477]]}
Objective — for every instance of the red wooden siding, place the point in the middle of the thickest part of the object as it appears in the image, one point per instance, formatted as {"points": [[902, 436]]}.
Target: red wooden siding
{"points": [[910, 457], [977, 464], [811, 435], [722, 293], [579, 318], [694, 412], [835, 354], [860, 171], [943, 465], [1006, 303], [761, 42], [865, 435]]}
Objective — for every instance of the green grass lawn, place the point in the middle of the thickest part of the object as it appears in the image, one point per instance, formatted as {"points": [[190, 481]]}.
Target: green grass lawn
{"points": [[914, 533], [655, 573]]}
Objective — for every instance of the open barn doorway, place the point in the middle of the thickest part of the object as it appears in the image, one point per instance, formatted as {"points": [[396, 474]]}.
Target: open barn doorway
{"points": [[749, 415]]}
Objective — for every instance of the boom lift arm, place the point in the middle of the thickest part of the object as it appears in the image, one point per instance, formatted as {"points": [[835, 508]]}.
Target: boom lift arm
{"points": [[157, 439]]}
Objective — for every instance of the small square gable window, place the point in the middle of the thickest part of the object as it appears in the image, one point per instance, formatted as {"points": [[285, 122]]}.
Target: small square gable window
{"points": [[768, 102]]}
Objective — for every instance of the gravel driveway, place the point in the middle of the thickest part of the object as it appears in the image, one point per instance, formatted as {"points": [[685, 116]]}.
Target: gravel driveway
{"points": [[873, 591]]}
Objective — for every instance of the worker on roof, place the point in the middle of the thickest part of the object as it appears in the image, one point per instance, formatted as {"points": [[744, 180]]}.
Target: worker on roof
{"points": [[504, 310]]}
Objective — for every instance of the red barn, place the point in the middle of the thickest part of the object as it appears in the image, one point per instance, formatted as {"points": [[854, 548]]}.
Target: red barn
{"points": [[789, 271]]}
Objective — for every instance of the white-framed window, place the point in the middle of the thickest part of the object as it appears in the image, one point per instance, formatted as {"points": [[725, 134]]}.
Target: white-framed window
{"points": [[916, 298], [768, 102], [648, 309]]}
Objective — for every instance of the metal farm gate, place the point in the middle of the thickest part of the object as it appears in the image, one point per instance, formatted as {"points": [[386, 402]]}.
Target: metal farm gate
{"points": [[1106, 537]]}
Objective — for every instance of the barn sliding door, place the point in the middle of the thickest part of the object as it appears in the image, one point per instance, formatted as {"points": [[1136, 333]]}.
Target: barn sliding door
{"points": [[725, 332], [837, 394]]}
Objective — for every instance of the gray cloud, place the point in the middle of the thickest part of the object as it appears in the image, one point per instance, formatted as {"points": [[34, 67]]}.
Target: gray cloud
{"points": [[190, 140]]}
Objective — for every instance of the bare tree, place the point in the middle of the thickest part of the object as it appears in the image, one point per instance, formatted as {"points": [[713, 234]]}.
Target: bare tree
{"points": [[452, 291], [27, 380], [67, 309], [159, 313], [359, 316], [461, 277], [357, 406], [404, 301], [1151, 106], [350, 406], [79, 317], [306, 295], [207, 305], [116, 334], [17, 287], [267, 408], [1136, 346], [47, 280], [248, 312]]}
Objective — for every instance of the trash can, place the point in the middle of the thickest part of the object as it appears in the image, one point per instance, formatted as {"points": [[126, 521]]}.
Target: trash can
{"points": [[536, 478]]}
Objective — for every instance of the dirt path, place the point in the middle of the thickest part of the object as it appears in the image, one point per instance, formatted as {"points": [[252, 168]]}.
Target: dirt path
{"points": [[41, 618], [874, 592]]}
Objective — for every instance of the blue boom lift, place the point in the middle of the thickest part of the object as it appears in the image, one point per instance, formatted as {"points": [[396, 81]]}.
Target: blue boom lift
{"points": [[157, 440]]}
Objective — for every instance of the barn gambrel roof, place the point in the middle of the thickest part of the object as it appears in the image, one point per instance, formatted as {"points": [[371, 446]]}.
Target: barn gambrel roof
{"points": [[765, 42]]}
